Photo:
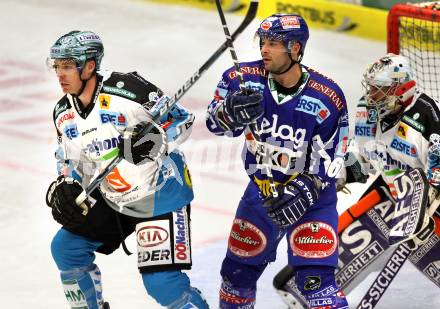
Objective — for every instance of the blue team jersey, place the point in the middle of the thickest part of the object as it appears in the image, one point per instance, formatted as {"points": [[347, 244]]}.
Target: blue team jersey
{"points": [[303, 132]]}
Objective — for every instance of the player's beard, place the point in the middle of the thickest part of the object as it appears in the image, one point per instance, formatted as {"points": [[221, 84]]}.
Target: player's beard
{"points": [[276, 67]]}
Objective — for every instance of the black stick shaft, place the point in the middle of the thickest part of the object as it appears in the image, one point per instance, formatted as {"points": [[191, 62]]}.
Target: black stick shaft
{"points": [[253, 126]]}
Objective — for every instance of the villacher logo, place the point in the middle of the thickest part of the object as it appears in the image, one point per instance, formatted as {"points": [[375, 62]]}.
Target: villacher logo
{"points": [[313, 240]]}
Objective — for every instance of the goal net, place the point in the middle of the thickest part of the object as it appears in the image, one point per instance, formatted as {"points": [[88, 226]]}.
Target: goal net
{"points": [[414, 32]]}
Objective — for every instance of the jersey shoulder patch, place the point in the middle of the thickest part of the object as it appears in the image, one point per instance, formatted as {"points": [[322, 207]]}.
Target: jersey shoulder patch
{"points": [[327, 88], [131, 86], [252, 70], [423, 116], [62, 105]]}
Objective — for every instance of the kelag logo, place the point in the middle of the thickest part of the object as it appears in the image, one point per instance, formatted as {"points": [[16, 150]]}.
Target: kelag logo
{"points": [[117, 119]]}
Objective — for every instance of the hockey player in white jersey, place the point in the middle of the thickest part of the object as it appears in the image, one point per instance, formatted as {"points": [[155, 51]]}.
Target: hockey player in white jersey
{"points": [[397, 129], [101, 115]]}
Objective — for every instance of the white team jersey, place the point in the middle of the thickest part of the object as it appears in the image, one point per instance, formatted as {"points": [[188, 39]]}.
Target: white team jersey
{"points": [[90, 137], [394, 145]]}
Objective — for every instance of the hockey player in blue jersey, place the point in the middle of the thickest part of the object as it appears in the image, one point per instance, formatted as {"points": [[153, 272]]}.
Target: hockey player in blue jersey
{"points": [[302, 121], [148, 193]]}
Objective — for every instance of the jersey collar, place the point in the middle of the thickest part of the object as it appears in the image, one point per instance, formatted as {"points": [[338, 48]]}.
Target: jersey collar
{"points": [[281, 98]]}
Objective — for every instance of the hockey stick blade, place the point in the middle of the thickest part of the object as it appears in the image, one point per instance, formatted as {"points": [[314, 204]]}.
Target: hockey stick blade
{"points": [[249, 17]]}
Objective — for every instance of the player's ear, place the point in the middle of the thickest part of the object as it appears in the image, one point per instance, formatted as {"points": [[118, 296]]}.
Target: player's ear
{"points": [[90, 66], [296, 49]]}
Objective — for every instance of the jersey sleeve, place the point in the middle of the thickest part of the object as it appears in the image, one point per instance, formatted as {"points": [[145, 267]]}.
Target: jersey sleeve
{"points": [[423, 122], [215, 116], [177, 123], [67, 161]]}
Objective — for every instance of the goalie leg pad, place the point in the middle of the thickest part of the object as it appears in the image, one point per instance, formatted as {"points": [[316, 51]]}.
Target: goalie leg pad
{"points": [[410, 215], [318, 285]]}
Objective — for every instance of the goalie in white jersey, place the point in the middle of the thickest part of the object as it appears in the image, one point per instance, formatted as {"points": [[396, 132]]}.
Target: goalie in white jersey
{"points": [[397, 129], [148, 192]]}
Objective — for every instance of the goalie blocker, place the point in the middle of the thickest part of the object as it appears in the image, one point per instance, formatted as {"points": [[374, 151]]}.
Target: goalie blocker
{"points": [[363, 243]]}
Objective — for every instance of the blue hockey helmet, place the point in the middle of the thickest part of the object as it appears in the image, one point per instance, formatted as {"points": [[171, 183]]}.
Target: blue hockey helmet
{"points": [[79, 46], [287, 28]]}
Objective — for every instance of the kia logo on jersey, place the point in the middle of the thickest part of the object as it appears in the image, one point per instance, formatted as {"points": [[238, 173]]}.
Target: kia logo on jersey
{"points": [[151, 236]]}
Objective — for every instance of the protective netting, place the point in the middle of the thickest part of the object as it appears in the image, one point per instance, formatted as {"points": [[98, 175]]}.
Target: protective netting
{"points": [[419, 40]]}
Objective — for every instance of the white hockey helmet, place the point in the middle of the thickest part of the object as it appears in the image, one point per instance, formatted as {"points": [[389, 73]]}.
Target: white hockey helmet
{"points": [[388, 84]]}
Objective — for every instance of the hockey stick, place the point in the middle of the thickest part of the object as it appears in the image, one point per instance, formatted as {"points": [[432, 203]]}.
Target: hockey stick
{"points": [[252, 126], [167, 105]]}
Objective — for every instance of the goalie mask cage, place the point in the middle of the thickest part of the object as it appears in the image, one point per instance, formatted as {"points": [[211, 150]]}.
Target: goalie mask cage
{"points": [[414, 32]]}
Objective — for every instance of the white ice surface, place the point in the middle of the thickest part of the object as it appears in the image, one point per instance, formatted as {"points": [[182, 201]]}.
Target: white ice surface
{"points": [[165, 44]]}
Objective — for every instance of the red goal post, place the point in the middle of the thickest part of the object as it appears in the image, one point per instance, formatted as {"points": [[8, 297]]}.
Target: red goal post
{"points": [[413, 30]]}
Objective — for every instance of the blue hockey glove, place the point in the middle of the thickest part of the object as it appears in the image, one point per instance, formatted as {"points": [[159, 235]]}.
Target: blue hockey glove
{"points": [[138, 148], [243, 108], [293, 200]]}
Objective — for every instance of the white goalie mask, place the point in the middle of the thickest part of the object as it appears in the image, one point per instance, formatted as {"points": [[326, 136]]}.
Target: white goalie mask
{"points": [[388, 84]]}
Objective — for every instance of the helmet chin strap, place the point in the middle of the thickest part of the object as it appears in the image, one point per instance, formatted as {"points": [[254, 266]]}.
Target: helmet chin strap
{"points": [[292, 63], [83, 82]]}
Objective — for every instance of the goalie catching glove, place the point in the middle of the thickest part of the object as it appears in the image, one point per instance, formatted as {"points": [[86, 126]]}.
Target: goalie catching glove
{"points": [[294, 199], [138, 147], [61, 197]]}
